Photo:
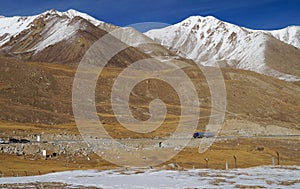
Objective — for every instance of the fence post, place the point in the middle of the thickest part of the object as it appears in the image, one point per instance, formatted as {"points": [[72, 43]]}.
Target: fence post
{"points": [[278, 158], [235, 162], [206, 162], [226, 165], [273, 160]]}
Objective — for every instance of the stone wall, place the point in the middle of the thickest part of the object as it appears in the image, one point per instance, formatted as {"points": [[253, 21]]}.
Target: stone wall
{"points": [[71, 149]]}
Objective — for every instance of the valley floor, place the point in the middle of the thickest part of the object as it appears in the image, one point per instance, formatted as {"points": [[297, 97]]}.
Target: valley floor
{"points": [[249, 152]]}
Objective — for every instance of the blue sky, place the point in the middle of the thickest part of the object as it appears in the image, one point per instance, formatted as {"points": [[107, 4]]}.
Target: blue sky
{"points": [[254, 14]]}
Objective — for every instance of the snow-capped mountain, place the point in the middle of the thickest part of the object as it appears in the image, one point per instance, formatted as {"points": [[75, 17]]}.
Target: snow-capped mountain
{"points": [[211, 42], [44, 37], [206, 40], [12, 26], [32, 36]]}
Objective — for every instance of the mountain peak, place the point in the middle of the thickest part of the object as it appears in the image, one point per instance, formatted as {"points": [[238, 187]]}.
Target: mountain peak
{"points": [[71, 13], [31, 35], [212, 42], [199, 19], [52, 11], [196, 24], [13, 26]]}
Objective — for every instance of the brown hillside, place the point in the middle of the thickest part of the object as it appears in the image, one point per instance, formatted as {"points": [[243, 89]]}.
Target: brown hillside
{"points": [[41, 93]]}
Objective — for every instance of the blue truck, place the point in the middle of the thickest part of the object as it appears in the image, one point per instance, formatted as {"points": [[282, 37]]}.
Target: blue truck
{"points": [[203, 134]]}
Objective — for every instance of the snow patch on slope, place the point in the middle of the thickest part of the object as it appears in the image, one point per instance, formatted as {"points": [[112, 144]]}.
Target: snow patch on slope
{"points": [[256, 177], [56, 31], [12, 26]]}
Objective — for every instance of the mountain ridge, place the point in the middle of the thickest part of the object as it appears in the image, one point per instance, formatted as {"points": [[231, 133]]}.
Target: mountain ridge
{"points": [[206, 40], [212, 42], [11, 27], [43, 37]]}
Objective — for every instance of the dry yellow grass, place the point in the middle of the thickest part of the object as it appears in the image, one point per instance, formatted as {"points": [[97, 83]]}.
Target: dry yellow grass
{"points": [[32, 129]]}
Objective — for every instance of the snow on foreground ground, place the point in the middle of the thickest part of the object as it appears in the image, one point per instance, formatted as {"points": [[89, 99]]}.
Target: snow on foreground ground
{"points": [[257, 177]]}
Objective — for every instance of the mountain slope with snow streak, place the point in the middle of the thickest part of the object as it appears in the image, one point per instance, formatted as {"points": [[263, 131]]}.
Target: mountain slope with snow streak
{"points": [[52, 26], [12, 26], [211, 42], [44, 37]]}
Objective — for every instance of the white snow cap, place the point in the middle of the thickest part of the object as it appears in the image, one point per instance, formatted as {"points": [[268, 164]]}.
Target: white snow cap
{"points": [[71, 13], [12, 26], [56, 29], [212, 42]]}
